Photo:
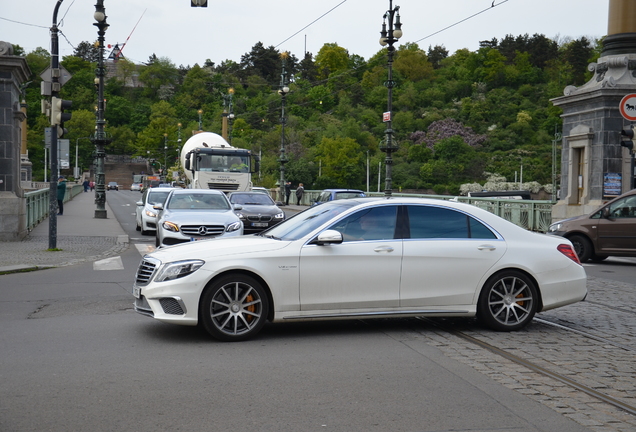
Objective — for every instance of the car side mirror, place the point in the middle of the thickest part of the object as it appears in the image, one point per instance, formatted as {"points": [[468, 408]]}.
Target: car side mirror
{"points": [[237, 207], [139, 203], [328, 237], [606, 213], [158, 206]]}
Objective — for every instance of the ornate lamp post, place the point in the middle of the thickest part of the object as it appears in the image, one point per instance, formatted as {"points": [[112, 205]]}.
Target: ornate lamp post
{"points": [[283, 90], [99, 139], [388, 36], [200, 112]]}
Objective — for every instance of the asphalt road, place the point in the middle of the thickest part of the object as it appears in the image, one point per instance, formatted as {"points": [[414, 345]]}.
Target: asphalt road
{"points": [[75, 357]]}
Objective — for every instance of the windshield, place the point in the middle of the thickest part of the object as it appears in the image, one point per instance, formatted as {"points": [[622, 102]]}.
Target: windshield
{"points": [[305, 222], [155, 197], [223, 163], [205, 201], [251, 199]]}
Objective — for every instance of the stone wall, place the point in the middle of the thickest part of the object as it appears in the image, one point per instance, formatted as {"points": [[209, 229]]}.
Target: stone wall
{"points": [[13, 72]]}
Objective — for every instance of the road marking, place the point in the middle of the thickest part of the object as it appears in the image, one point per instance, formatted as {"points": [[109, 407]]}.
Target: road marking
{"points": [[113, 263]]}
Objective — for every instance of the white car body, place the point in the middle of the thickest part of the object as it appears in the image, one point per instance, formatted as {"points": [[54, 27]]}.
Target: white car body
{"points": [[303, 280], [145, 214]]}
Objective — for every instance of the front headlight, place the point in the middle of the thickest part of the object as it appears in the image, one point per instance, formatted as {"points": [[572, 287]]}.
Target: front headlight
{"points": [[170, 226], [555, 227], [234, 227], [241, 216], [279, 216], [151, 214], [178, 269]]}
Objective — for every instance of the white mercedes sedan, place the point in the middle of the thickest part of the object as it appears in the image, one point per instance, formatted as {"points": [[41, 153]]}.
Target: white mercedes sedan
{"points": [[359, 259]]}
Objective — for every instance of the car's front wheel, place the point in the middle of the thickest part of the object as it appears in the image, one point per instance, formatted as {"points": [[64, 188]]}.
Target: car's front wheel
{"points": [[234, 308], [582, 246], [508, 301]]}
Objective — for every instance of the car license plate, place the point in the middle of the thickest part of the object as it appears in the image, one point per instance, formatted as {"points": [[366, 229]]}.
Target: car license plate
{"points": [[136, 292], [259, 224]]}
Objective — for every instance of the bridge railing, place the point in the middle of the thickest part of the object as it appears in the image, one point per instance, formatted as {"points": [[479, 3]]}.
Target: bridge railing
{"points": [[37, 204], [533, 215]]}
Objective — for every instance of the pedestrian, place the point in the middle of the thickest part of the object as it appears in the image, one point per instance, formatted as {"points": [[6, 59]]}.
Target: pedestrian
{"points": [[299, 193], [86, 185], [61, 191], [92, 185], [287, 192]]}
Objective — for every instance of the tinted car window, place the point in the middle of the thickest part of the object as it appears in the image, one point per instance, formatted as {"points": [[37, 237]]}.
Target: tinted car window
{"points": [[377, 223], [435, 222], [623, 208], [155, 197]]}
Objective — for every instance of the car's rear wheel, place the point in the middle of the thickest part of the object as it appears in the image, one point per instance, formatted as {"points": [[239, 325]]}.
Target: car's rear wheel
{"points": [[508, 301], [234, 308], [582, 247]]}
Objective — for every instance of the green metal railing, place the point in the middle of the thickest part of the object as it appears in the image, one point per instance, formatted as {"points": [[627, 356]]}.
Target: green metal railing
{"points": [[529, 214], [37, 204]]}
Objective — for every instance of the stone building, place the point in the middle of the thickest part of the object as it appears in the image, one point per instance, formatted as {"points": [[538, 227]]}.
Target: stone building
{"points": [[13, 73], [594, 165]]}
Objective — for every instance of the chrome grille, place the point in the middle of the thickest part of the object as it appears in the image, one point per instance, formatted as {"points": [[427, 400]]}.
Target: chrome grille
{"points": [[259, 218], [146, 269], [202, 230], [171, 306], [224, 186]]}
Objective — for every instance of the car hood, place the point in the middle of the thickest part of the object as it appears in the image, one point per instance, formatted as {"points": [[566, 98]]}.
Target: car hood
{"points": [[260, 209], [208, 249], [194, 217]]}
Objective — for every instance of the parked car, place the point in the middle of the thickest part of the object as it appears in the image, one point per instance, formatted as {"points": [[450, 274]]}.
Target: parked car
{"points": [[112, 186], [609, 230], [196, 214], [337, 194], [258, 211], [145, 213], [135, 187], [363, 258]]}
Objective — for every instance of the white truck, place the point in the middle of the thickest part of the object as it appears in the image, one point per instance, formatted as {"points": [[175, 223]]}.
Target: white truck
{"points": [[210, 162]]}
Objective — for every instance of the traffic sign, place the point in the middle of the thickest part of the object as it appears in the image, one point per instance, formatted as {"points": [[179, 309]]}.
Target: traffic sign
{"points": [[628, 107]]}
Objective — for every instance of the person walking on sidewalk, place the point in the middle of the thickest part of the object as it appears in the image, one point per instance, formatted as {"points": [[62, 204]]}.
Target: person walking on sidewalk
{"points": [[61, 191], [287, 192], [86, 185], [299, 193]]}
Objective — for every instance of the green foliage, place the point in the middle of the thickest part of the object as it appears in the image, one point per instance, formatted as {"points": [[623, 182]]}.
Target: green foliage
{"points": [[455, 116]]}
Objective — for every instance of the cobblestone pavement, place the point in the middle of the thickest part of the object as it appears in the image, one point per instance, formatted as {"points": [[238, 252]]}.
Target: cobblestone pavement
{"points": [[609, 314]]}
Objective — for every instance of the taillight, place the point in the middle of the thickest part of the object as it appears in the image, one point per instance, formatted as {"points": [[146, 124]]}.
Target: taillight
{"points": [[569, 252]]}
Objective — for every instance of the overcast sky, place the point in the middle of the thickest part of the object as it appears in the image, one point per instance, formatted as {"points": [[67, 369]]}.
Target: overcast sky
{"points": [[226, 30]]}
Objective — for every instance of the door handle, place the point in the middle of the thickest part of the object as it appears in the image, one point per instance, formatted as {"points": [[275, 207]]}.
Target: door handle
{"points": [[486, 247], [383, 249]]}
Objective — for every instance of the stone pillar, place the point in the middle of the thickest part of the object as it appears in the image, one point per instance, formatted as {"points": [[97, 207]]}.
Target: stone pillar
{"points": [[13, 72], [592, 121]]}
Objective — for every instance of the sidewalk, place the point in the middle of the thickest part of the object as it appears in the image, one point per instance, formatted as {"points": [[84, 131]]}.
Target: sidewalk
{"points": [[80, 237]]}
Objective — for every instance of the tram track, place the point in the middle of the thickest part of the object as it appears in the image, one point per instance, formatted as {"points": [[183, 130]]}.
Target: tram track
{"points": [[562, 378]]}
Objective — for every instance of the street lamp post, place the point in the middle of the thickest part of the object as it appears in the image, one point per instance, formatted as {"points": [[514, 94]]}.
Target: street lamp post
{"points": [[388, 36], [99, 139], [200, 112], [284, 89]]}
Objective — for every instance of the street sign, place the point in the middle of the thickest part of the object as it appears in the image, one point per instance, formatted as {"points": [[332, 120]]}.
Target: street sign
{"points": [[628, 107], [386, 117]]}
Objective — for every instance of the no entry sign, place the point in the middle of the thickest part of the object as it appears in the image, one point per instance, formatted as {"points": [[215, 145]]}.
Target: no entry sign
{"points": [[628, 107]]}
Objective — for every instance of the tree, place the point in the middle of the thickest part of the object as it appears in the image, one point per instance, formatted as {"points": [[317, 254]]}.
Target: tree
{"points": [[87, 51], [159, 72], [261, 61], [341, 161], [436, 55], [331, 59]]}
